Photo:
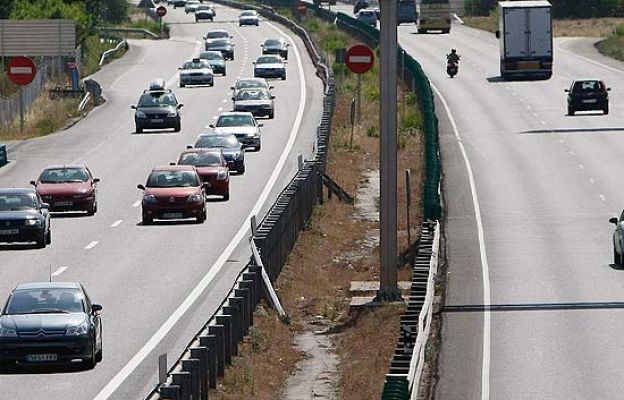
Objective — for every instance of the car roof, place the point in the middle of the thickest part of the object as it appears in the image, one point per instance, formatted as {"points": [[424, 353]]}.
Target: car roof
{"points": [[47, 285], [218, 30], [203, 150], [174, 168], [62, 166], [17, 191], [228, 113], [213, 134]]}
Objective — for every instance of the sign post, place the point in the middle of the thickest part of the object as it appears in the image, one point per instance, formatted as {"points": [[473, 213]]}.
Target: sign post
{"points": [[359, 60], [21, 71], [161, 11]]}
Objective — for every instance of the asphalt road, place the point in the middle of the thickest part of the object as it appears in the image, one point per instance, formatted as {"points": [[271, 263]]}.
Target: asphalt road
{"points": [[528, 192], [142, 274]]}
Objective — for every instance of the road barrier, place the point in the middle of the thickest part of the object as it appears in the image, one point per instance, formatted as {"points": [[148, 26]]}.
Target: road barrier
{"points": [[204, 359], [121, 45]]}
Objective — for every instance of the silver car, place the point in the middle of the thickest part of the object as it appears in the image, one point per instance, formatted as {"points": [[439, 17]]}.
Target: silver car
{"points": [[258, 101], [270, 66], [196, 72], [243, 125], [248, 83], [248, 17]]}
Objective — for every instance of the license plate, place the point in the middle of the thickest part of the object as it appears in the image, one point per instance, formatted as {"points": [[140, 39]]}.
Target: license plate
{"points": [[171, 215], [528, 65], [9, 231], [63, 203], [156, 120], [589, 101], [41, 357]]}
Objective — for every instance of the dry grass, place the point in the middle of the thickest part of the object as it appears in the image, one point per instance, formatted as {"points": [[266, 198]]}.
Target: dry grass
{"points": [[44, 116], [593, 27]]}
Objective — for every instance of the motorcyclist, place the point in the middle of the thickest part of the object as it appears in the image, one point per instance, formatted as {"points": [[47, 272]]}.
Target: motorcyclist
{"points": [[453, 57]]}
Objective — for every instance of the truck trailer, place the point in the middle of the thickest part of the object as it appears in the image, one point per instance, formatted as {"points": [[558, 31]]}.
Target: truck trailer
{"points": [[525, 38]]}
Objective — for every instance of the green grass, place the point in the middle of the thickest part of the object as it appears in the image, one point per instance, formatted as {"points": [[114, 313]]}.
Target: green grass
{"points": [[613, 47]]}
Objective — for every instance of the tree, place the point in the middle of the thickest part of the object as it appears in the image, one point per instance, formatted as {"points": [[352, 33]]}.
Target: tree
{"points": [[115, 11]]}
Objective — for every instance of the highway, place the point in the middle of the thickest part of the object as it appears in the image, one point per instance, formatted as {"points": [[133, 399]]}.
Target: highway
{"points": [[158, 284]]}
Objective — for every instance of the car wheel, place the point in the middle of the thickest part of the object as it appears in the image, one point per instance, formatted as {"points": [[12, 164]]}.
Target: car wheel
{"points": [[258, 147], [196, 19], [147, 220], [226, 196], [98, 356], [616, 257], [49, 237], [606, 110], [257, 23], [284, 77], [139, 129], [93, 209], [90, 362], [182, 85], [178, 127], [41, 240], [202, 217], [272, 115], [224, 72], [570, 110], [241, 171]]}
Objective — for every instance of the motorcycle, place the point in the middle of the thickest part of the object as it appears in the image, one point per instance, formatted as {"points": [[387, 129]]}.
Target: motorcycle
{"points": [[452, 67]]}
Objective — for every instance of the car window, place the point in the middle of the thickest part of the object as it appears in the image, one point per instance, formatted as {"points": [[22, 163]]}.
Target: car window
{"points": [[172, 179], [226, 121], [45, 301], [252, 95], [217, 141], [211, 55], [195, 64], [58, 175], [157, 100], [586, 86], [217, 34], [219, 42], [16, 202], [249, 84], [200, 159], [248, 13], [268, 60]]}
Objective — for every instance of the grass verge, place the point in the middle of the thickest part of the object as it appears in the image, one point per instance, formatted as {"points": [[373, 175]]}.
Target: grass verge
{"points": [[335, 250]]}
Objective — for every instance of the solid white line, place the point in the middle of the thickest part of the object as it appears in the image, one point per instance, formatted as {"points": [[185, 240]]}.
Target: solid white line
{"points": [[592, 181], [581, 166], [160, 334], [225, 100], [116, 223], [619, 71], [571, 153], [91, 245], [485, 269], [603, 198], [137, 203], [59, 271]]}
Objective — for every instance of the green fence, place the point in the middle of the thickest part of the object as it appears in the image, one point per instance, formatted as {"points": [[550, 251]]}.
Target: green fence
{"points": [[4, 158]]}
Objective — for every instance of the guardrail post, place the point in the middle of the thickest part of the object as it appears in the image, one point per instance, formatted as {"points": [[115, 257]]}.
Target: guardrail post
{"points": [[183, 380], [241, 314], [246, 290], [232, 312], [192, 365], [201, 353], [226, 322], [210, 342], [254, 275], [170, 392], [219, 332]]}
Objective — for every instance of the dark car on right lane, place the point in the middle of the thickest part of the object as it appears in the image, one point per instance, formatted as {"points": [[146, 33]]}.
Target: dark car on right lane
{"points": [[232, 149], [24, 217], [588, 95], [276, 46]]}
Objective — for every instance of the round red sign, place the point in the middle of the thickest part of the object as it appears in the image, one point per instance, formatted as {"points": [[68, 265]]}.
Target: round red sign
{"points": [[360, 59], [161, 11], [21, 70]]}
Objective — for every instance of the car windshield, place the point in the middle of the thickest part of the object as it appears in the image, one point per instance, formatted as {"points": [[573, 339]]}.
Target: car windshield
{"points": [[16, 202], [247, 14], [252, 95], [45, 301], [268, 60], [203, 7], [195, 64], [217, 34], [172, 179], [217, 141], [586, 86], [157, 100], [226, 121], [211, 55], [60, 175], [273, 42], [252, 83], [200, 159]]}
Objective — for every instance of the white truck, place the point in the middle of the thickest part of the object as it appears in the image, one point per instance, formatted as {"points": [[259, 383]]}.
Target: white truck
{"points": [[525, 37]]}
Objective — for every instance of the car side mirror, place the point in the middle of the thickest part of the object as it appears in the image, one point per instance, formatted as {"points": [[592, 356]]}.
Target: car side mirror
{"points": [[180, 105], [260, 125], [205, 185], [253, 62], [613, 220], [172, 163], [96, 180], [96, 309], [567, 90], [231, 87], [233, 98], [287, 44], [211, 126], [33, 183], [45, 206], [141, 187], [608, 89], [133, 107], [231, 37], [271, 87], [497, 34], [188, 146], [272, 97]]}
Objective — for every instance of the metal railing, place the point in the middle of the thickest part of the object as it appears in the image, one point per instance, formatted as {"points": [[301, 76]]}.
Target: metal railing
{"points": [[115, 29], [123, 44]]}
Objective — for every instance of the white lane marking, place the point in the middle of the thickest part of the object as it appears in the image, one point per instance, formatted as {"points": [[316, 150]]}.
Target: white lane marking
{"points": [[59, 271], [174, 78], [535, 115], [514, 93], [592, 181], [137, 203], [581, 166], [619, 71], [528, 107], [603, 198], [220, 109], [116, 223], [215, 117], [197, 291], [91, 245], [543, 122], [561, 141], [225, 100], [571, 153], [485, 268]]}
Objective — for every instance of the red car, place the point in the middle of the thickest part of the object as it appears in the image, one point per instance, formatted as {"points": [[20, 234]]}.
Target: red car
{"points": [[212, 168], [174, 192], [70, 187]]}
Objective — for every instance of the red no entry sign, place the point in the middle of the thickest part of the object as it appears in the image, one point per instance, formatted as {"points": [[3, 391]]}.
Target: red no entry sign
{"points": [[360, 59], [21, 70], [161, 11]]}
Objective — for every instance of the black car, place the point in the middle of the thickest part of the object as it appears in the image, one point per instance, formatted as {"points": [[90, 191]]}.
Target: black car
{"points": [[258, 101], [360, 5], [276, 46], [179, 3], [50, 322], [157, 109], [225, 46], [233, 151], [586, 95], [24, 217]]}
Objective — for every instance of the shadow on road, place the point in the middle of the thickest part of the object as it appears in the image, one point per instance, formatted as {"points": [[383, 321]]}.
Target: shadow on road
{"points": [[571, 130], [42, 369]]}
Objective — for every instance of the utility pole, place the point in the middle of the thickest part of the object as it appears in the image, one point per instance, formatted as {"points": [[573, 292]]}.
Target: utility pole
{"points": [[388, 290]]}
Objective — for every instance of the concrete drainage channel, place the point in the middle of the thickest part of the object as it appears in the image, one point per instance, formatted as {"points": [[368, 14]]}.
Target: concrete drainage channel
{"points": [[204, 360]]}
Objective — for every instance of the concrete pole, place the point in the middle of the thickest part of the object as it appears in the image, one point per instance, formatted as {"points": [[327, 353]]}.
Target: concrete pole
{"points": [[388, 290]]}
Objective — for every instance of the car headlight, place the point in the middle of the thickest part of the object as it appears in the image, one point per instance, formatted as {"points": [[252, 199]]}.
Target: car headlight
{"points": [[7, 332], [172, 115], [81, 329], [222, 175], [150, 198], [31, 222], [194, 198], [141, 114]]}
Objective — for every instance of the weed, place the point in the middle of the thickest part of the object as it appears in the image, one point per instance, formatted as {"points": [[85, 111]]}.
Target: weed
{"points": [[372, 131]]}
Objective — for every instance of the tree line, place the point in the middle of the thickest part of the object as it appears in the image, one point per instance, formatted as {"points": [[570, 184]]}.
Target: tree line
{"points": [[561, 9]]}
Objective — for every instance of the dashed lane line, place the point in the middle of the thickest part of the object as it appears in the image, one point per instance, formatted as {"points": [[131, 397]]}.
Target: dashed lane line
{"points": [[91, 245]]}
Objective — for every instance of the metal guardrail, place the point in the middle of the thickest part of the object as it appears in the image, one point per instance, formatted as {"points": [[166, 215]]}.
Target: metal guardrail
{"points": [[4, 157], [143, 31], [84, 101], [108, 53]]}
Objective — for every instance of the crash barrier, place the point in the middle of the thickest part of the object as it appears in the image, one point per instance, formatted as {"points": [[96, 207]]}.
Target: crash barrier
{"points": [[402, 381], [115, 31], [4, 157], [109, 53], [204, 360]]}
